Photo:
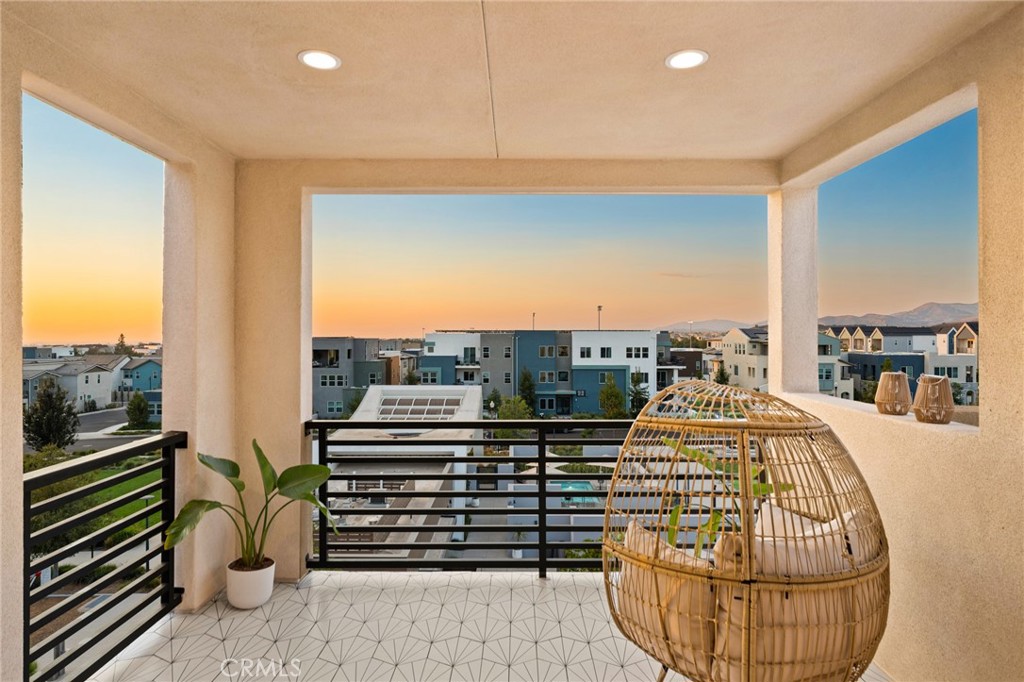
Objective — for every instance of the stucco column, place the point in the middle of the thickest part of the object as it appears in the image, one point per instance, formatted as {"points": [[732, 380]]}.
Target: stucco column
{"points": [[199, 352], [793, 290], [273, 391], [11, 548]]}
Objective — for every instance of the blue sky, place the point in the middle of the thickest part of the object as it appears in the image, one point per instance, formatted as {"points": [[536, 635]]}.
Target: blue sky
{"points": [[896, 232]]}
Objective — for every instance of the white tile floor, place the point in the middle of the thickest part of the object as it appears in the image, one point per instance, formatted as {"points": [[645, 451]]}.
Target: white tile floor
{"points": [[393, 627]]}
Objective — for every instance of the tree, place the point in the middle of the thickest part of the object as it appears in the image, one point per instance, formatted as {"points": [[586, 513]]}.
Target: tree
{"points": [[493, 397], [638, 394], [513, 409], [887, 365], [138, 411], [51, 418], [50, 455], [867, 391], [411, 378], [611, 400], [528, 390], [122, 348], [958, 393], [353, 403], [722, 376]]}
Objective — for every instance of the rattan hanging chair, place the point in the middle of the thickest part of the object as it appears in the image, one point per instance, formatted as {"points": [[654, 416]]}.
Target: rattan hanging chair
{"points": [[741, 543]]}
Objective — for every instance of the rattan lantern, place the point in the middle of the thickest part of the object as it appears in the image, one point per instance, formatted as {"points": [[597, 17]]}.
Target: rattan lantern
{"points": [[741, 542], [893, 393], [933, 402]]}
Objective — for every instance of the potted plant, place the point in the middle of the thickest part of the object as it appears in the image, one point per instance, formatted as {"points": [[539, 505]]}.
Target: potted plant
{"points": [[517, 552], [250, 577]]}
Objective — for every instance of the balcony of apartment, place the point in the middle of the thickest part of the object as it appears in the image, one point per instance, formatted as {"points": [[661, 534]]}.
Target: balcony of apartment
{"points": [[437, 97]]}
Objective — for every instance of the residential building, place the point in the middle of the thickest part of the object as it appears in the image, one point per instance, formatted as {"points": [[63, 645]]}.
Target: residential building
{"points": [[610, 355], [536, 352], [497, 363], [462, 347], [966, 339], [343, 366], [679, 364], [31, 376], [834, 373], [901, 340], [745, 357], [143, 374]]}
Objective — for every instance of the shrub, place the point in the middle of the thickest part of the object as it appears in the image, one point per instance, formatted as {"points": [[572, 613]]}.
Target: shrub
{"points": [[117, 538]]}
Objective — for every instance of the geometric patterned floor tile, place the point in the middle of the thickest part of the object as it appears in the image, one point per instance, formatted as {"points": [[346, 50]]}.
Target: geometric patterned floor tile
{"points": [[399, 627]]}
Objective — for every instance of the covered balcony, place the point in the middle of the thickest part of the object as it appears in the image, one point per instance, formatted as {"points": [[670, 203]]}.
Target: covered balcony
{"points": [[520, 97]]}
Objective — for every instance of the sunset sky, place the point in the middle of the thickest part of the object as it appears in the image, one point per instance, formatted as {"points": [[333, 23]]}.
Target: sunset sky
{"points": [[895, 232]]}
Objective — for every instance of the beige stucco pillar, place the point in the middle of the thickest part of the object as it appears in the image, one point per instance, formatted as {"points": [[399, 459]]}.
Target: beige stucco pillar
{"points": [[793, 290], [273, 391], [199, 354], [11, 548]]}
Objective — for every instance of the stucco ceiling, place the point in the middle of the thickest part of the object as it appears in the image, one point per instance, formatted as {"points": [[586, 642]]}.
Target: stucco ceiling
{"points": [[566, 79]]}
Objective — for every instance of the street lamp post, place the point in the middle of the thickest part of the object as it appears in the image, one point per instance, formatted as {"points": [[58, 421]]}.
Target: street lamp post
{"points": [[535, 321], [599, 309], [690, 342]]}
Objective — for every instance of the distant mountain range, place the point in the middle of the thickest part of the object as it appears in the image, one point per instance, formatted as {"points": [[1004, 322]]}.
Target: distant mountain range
{"points": [[718, 326], [926, 315]]}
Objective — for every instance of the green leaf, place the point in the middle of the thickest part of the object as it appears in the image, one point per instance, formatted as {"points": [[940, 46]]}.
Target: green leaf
{"points": [[267, 472], [312, 499], [727, 468], [188, 518], [708, 531], [673, 524], [225, 467], [298, 481], [764, 489]]}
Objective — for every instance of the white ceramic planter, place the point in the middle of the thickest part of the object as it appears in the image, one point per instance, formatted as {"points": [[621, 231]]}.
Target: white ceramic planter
{"points": [[517, 553], [249, 589]]}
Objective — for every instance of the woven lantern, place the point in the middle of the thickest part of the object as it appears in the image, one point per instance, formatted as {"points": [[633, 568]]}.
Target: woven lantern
{"points": [[741, 542], [933, 402], [893, 393]]}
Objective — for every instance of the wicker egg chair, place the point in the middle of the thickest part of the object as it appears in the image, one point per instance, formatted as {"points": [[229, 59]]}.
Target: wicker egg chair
{"points": [[741, 543]]}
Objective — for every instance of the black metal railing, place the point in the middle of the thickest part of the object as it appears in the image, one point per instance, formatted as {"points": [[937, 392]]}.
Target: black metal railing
{"points": [[96, 573], [411, 494]]}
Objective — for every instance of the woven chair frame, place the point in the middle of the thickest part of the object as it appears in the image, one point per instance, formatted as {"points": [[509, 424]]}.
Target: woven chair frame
{"points": [[741, 542]]}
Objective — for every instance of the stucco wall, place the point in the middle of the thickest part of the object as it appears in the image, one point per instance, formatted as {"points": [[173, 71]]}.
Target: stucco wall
{"points": [[198, 256]]}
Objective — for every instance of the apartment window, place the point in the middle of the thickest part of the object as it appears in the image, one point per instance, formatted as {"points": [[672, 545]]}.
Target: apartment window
{"points": [[485, 352], [372, 378], [637, 352], [334, 406], [86, 378], [643, 377], [546, 377], [968, 373], [508, 377], [584, 351], [606, 351], [824, 374], [547, 403], [750, 371], [508, 351], [954, 372], [546, 351], [156, 409], [563, 376], [909, 371], [430, 349], [602, 377], [323, 380], [486, 377], [138, 375], [348, 352], [940, 371], [563, 351], [428, 376], [764, 373], [736, 370]]}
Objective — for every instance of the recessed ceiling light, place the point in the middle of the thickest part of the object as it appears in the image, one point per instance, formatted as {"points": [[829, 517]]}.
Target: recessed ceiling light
{"points": [[318, 59], [686, 59]]}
